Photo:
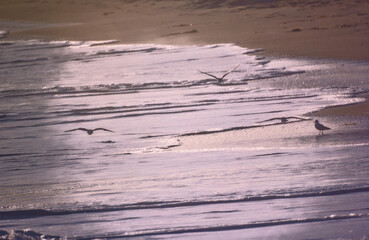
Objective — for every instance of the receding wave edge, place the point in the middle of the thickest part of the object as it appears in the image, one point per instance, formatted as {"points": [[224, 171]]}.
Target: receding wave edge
{"points": [[32, 213]]}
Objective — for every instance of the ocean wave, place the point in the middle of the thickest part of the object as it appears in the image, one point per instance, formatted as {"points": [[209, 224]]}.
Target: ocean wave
{"points": [[130, 88], [217, 228], [102, 89], [106, 112], [252, 68], [33, 213], [253, 51], [150, 109], [239, 128], [35, 59], [31, 235], [34, 45]]}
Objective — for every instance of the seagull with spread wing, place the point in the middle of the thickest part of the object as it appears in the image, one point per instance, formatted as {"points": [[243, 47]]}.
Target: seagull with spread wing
{"points": [[220, 79], [89, 131], [282, 119]]}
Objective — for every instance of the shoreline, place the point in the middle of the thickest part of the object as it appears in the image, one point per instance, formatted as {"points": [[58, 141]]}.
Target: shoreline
{"points": [[291, 135], [329, 30], [354, 110]]}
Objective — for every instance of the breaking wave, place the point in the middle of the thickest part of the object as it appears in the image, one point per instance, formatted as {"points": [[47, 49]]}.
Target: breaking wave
{"points": [[33, 213], [29, 234]]}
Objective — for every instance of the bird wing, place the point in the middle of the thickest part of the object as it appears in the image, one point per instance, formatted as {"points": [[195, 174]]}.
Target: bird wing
{"points": [[103, 129], [211, 75], [229, 72], [221, 78], [82, 129], [270, 120], [296, 118], [321, 127], [284, 118], [324, 127]]}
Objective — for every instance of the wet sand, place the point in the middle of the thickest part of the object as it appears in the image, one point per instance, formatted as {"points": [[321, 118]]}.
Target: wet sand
{"points": [[335, 29], [344, 131], [352, 110], [315, 29]]}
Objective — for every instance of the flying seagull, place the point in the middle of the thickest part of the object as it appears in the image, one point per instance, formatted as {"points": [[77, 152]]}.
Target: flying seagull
{"points": [[282, 119], [221, 78], [172, 146], [89, 131], [320, 127]]}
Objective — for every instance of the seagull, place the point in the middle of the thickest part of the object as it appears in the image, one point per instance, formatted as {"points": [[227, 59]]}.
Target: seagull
{"points": [[89, 131], [172, 146], [283, 119], [221, 78], [320, 127]]}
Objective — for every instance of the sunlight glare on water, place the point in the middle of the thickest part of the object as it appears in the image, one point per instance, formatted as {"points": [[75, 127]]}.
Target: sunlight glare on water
{"points": [[188, 155]]}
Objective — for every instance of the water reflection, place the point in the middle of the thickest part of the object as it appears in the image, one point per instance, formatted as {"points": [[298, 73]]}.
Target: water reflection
{"points": [[127, 181], [29, 151]]}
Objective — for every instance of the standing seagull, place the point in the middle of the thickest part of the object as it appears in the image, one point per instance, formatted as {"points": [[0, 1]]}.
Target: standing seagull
{"points": [[89, 131], [320, 127], [220, 79]]}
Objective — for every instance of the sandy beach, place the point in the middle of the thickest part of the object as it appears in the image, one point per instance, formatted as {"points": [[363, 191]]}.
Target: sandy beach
{"points": [[177, 150], [324, 29]]}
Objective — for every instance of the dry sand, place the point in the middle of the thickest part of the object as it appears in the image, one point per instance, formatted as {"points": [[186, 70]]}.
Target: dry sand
{"points": [[326, 29], [337, 29]]}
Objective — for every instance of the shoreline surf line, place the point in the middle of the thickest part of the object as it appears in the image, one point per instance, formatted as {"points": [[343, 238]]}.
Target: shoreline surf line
{"points": [[234, 227], [33, 213], [240, 128], [29, 234]]}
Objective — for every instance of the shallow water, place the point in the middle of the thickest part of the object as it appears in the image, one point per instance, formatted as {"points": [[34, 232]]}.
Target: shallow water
{"points": [[139, 181]]}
